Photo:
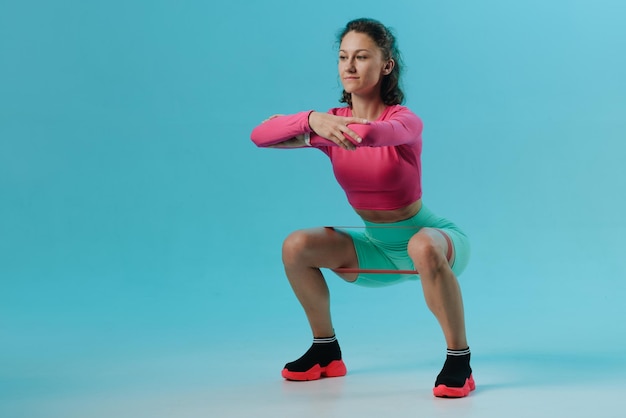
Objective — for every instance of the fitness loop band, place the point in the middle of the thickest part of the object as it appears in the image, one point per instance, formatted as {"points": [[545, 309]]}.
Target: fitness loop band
{"points": [[374, 271], [377, 226]]}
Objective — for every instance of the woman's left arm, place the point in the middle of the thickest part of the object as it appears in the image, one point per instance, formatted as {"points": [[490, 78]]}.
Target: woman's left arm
{"points": [[400, 126]]}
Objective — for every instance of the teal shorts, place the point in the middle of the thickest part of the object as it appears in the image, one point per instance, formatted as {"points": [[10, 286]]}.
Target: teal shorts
{"points": [[384, 247]]}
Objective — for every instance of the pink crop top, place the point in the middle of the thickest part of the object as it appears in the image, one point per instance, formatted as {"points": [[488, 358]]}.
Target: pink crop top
{"points": [[383, 173]]}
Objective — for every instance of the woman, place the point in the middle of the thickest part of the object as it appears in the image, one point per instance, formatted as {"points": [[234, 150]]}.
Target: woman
{"points": [[374, 144]]}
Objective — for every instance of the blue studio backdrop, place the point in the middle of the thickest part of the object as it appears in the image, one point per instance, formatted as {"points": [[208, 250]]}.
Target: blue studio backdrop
{"points": [[139, 223]]}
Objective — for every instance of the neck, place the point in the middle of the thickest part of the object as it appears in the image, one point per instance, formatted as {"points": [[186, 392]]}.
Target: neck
{"points": [[367, 108]]}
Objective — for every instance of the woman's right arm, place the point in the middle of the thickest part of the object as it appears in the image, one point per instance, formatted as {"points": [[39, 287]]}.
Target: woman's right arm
{"points": [[283, 131], [291, 131]]}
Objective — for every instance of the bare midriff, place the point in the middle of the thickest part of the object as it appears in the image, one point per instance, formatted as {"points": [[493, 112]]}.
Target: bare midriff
{"points": [[389, 216]]}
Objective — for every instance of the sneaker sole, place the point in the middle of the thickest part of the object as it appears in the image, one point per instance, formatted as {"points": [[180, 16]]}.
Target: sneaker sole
{"points": [[335, 368], [443, 391]]}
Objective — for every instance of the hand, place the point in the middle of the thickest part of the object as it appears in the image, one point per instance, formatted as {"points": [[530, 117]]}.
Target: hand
{"points": [[295, 142], [334, 127], [271, 117]]}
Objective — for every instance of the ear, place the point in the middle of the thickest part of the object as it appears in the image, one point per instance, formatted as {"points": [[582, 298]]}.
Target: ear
{"points": [[388, 68]]}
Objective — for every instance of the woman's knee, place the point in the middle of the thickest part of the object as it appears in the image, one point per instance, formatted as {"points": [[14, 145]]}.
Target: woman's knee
{"points": [[322, 247], [426, 253], [294, 246]]}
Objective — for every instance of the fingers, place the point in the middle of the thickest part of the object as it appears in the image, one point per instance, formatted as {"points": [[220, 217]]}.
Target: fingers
{"points": [[343, 142], [355, 136], [271, 117], [358, 120], [352, 134], [335, 128], [338, 138]]}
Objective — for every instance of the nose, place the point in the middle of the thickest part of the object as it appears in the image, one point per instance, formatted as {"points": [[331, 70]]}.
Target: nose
{"points": [[350, 66]]}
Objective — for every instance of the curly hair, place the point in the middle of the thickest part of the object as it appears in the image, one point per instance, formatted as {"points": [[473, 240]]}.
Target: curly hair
{"points": [[390, 90]]}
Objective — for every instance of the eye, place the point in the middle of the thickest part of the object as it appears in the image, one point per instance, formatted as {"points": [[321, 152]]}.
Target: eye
{"points": [[361, 57]]}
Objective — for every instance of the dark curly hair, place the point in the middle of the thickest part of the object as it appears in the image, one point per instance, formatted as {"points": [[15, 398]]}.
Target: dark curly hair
{"points": [[390, 90]]}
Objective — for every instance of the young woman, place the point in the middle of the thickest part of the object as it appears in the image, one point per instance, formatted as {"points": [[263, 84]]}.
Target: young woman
{"points": [[374, 144]]}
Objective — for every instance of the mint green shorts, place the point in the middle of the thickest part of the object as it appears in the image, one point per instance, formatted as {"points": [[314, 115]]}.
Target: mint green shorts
{"points": [[384, 247]]}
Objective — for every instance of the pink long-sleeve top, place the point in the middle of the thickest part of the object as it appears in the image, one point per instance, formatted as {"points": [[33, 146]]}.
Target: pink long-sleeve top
{"points": [[383, 173]]}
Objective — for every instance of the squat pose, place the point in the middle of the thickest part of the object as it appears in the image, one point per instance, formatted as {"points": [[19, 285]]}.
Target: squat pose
{"points": [[374, 144]]}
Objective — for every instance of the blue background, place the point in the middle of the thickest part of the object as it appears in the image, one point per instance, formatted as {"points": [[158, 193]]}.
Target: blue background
{"points": [[140, 229]]}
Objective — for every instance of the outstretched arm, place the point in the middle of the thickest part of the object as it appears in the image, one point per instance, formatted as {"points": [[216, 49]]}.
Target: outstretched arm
{"points": [[401, 126], [279, 129], [293, 131]]}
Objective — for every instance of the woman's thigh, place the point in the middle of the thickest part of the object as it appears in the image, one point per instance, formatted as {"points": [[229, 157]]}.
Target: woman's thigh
{"points": [[452, 244], [322, 248]]}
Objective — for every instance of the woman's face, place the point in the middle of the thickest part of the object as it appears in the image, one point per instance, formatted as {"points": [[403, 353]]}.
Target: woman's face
{"points": [[361, 64]]}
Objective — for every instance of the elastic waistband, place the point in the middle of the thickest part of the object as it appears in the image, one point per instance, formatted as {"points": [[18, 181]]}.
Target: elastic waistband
{"points": [[419, 219], [403, 230]]}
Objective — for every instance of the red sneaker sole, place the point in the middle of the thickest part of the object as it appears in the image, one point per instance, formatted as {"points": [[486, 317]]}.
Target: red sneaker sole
{"points": [[335, 368], [443, 391]]}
